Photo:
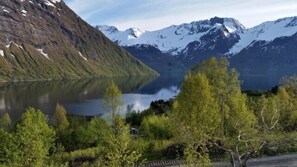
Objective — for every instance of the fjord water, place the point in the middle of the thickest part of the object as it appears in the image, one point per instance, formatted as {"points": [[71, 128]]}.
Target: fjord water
{"points": [[84, 97]]}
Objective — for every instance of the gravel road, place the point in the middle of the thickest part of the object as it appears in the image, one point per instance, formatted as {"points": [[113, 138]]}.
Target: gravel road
{"points": [[289, 160]]}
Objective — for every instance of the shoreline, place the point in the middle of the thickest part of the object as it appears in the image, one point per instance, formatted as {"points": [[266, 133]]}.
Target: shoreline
{"points": [[70, 79]]}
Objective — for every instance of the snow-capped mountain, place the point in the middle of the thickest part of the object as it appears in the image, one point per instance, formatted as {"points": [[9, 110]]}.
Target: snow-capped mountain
{"points": [[267, 32], [173, 39], [192, 42]]}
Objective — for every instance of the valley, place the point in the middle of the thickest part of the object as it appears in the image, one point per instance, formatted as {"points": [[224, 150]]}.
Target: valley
{"points": [[204, 90]]}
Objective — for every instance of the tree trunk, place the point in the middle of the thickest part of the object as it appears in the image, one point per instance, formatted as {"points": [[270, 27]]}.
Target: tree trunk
{"points": [[238, 161], [232, 159], [243, 164]]}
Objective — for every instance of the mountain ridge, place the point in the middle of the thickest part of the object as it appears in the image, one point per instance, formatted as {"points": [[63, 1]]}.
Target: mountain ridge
{"points": [[190, 43], [184, 33]]}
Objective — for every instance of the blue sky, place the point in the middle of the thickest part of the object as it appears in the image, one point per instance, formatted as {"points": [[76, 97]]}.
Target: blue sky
{"points": [[156, 14]]}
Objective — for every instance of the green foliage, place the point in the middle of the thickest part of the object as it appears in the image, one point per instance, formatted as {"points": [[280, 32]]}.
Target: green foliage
{"points": [[159, 107], [118, 139], [5, 121], [70, 137], [134, 118], [224, 83], [156, 127], [112, 97], [219, 88], [287, 105], [113, 101], [83, 134], [60, 120], [117, 151], [195, 115], [195, 158], [8, 149], [268, 112], [290, 85], [34, 139], [238, 118], [222, 80], [94, 134], [88, 154]]}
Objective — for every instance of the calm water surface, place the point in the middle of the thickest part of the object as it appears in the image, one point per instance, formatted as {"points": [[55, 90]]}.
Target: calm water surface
{"points": [[84, 97]]}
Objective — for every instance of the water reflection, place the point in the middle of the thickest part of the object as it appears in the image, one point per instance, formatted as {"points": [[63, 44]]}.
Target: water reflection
{"points": [[16, 97], [136, 101], [259, 82], [84, 97]]}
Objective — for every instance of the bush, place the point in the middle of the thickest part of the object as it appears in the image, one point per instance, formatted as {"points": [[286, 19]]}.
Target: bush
{"points": [[79, 155], [156, 127]]}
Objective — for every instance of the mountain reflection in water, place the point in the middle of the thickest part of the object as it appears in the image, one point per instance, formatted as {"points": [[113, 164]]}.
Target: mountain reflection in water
{"points": [[82, 97]]}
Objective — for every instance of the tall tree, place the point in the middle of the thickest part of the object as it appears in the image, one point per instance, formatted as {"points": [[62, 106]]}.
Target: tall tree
{"points": [[238, 133], [118, 139], [287, 95], [5, 121], [240, 138], [113, 102], [196, 117], [224, 83], [60, 120], [118, 152], [34, 138]]}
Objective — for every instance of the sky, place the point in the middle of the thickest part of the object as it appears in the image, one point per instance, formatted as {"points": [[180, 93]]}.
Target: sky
{"points": [[156, 14]]}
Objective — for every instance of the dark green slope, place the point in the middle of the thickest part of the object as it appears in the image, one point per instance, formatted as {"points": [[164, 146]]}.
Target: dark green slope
{"points": [[42, 41]]}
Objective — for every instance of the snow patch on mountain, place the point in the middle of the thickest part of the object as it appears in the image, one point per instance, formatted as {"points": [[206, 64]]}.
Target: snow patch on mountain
{"points": [[5, 10], [2, 53], [24, 12], [233, 25], [55, 1], [47, 2], [44, 54], [82, 56], [11, 42]]}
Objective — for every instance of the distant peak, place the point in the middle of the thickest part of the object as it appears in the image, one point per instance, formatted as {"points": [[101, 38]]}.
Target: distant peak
{"points": [[230, 23], [46, 1], [135, 32], [291, 21], [106, 28]]}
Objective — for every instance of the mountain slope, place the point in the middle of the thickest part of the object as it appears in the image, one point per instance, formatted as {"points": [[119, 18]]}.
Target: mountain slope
{"points": [[44, 39], [266, 47], [163, 63]]}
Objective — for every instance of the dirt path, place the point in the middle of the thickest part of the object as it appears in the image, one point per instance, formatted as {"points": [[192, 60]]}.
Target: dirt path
{"points": [[289, 160]]}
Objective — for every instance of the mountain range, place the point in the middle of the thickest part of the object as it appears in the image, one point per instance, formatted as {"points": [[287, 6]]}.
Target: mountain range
{"points": [[267, 49], [45, 39]]}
